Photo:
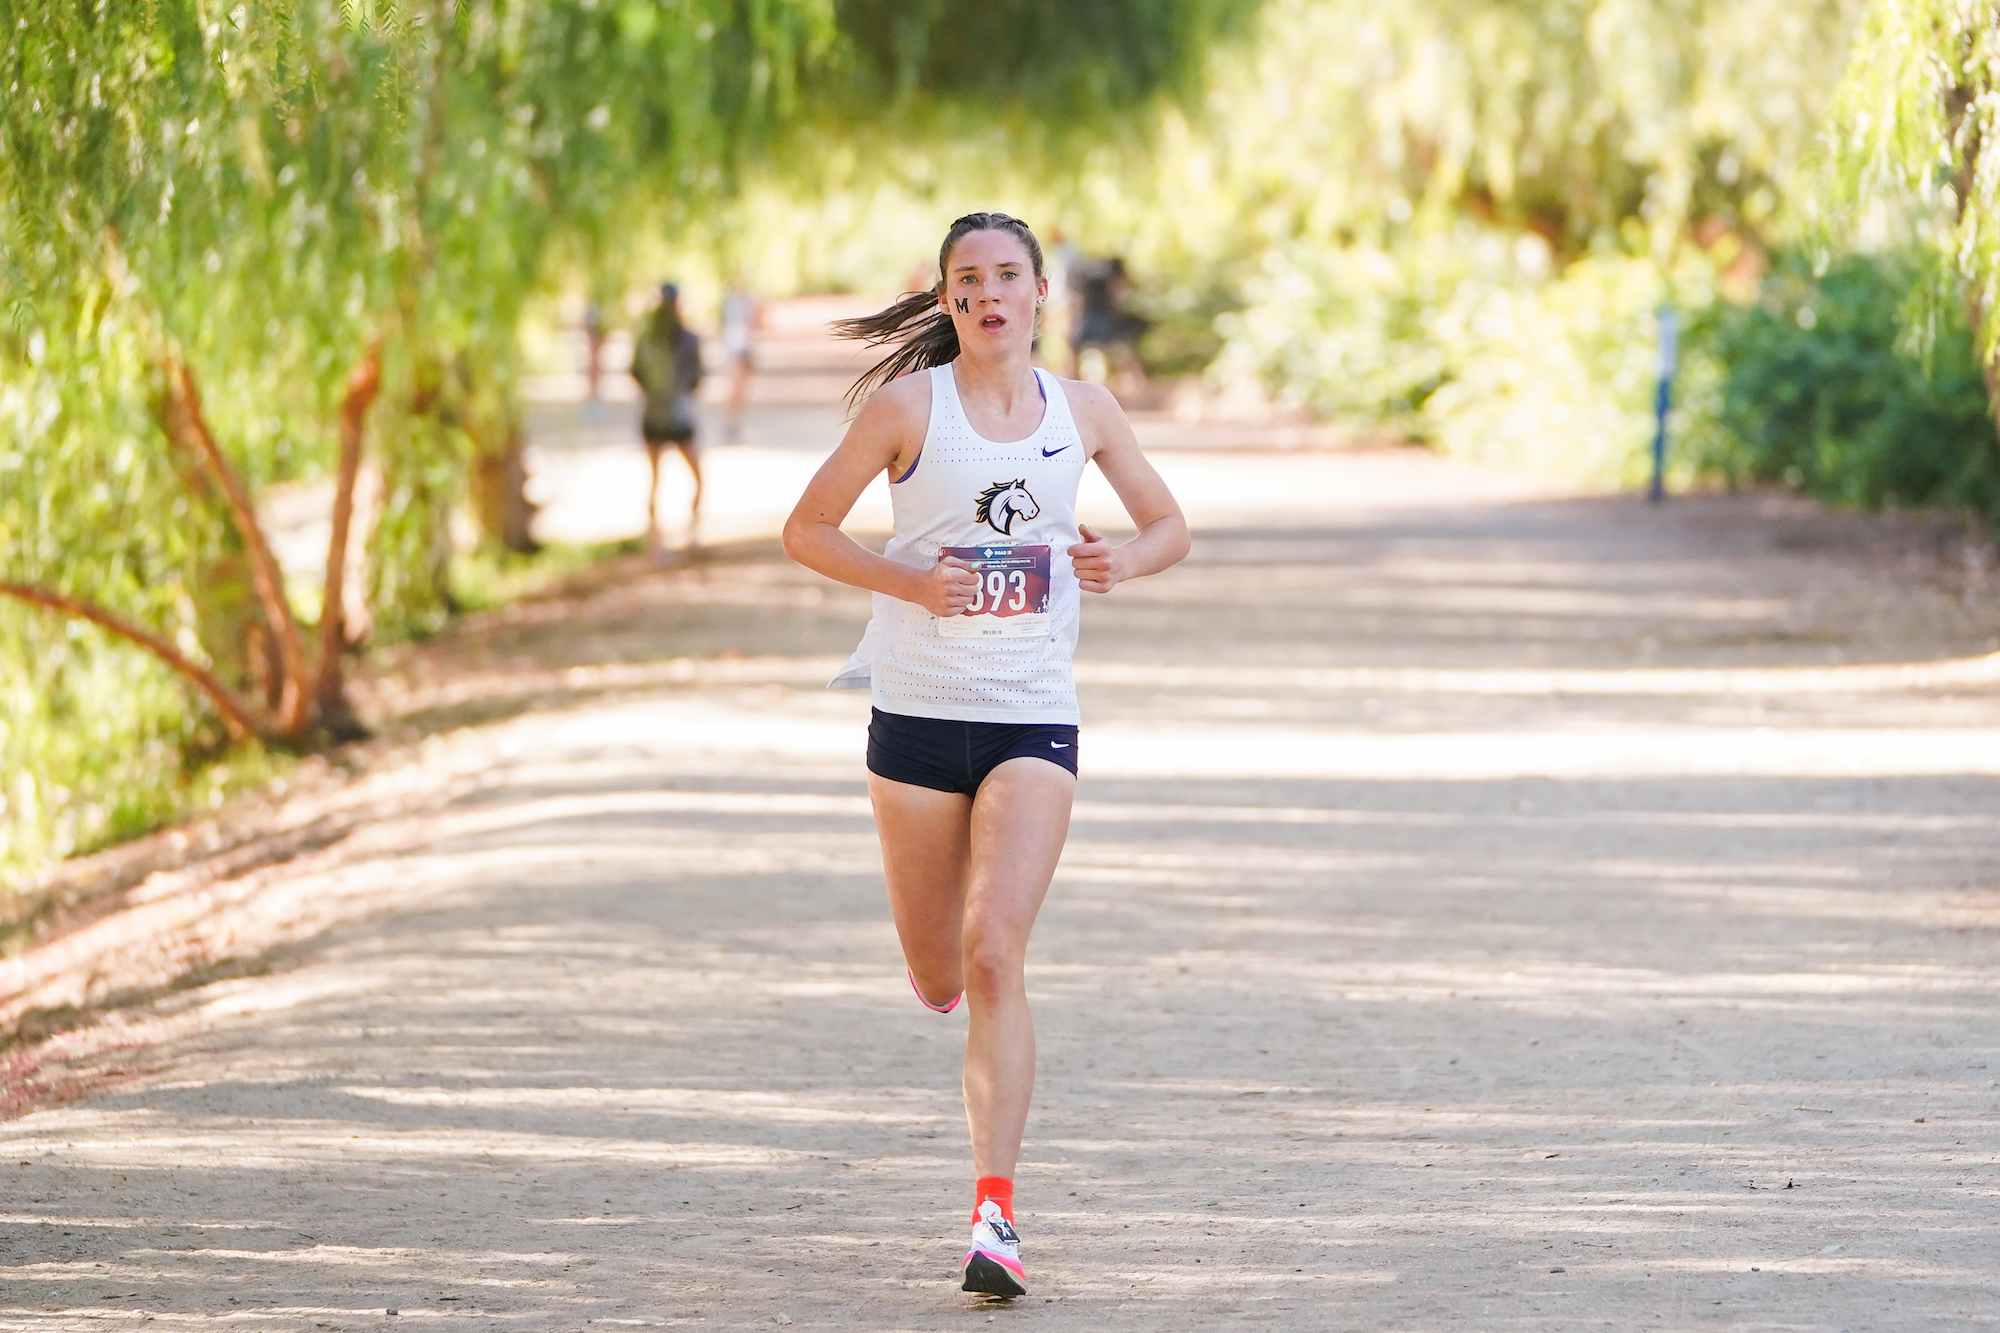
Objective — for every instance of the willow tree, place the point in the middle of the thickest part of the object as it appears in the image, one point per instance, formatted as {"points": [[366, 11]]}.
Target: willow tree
{"points": [[1459, 215], [274, 240], [243, 246], [1916, 133], [151, 242]]}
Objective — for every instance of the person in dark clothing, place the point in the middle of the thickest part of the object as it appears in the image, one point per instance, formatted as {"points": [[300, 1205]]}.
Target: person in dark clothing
{"points": [[666, 360], [1101, 320]]}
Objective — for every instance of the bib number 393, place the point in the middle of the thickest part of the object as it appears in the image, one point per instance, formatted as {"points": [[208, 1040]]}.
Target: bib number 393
{"points": [[1011, 600]]}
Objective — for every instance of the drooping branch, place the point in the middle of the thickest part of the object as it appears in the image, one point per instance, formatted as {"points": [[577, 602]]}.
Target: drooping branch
{"points": [[362, 385], [182, 418], [1964, 134], [236, 716]]}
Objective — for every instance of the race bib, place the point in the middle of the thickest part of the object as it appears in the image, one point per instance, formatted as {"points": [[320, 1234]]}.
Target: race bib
{"points": [[1012, 599]]}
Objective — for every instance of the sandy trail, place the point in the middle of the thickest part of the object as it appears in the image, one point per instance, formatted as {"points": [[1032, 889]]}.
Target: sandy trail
{"points": [[1485, 909]]}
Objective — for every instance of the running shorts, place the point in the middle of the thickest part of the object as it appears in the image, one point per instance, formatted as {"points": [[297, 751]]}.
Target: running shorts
{"points": [[957, 756]]}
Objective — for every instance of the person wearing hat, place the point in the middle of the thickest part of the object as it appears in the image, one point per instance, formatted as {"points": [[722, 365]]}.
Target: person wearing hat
{"points": [[667, 363]]}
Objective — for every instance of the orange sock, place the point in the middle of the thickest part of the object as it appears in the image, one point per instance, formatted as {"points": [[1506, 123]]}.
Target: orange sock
{"points": [[997, 1188]]}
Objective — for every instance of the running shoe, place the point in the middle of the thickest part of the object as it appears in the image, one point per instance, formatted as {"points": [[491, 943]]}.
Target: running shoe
{"points": [[993, 1264]]}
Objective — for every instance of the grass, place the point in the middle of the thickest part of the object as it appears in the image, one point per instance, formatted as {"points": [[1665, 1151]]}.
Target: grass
{"points": [[493, 576], [100, 744]]}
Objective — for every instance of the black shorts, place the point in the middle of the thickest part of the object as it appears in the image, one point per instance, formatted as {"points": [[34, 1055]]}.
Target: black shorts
{"points": [[957, 756]]}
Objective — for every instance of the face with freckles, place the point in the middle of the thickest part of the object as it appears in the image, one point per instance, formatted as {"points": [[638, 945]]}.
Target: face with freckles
{"points": [[991, 291]]}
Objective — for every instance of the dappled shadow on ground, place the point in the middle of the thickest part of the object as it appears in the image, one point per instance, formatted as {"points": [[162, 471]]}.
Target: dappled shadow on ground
{"points": [[1597, 582], [1653, 1034], [579, 641], [1504, 915], [1587, 582]]}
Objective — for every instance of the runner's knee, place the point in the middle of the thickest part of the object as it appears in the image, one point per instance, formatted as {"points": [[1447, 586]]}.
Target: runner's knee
{"points": [[993, 963]]}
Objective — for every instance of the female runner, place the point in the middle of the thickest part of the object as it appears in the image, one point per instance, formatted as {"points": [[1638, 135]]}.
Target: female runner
{"points": [[972, 744]]}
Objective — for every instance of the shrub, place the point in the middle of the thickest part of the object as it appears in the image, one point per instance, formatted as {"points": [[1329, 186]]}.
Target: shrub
{"points": [[1466, 342], [1820, 386]]}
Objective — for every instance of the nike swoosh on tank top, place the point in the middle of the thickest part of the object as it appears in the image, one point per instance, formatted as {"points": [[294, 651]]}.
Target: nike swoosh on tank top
{"points": [[1010, 662]]}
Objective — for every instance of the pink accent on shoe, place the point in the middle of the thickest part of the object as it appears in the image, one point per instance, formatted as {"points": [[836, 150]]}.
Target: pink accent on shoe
{"points": [[934, 1008], [1013, 1264]]}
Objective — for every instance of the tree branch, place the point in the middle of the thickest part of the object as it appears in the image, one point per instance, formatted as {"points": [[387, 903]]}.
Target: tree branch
{"points": [[362, 385], [185, 425], [236, 716]]}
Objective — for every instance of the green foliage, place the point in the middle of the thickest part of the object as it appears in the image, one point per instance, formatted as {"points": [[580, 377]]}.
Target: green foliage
{"points": [[1913, 139], [1182, 337], [490, 575], [1453, 217], [1068, 62], [1466, 342], [1458, 215], [97, 744], [263, 192], [1820, 388], [260, 194], [1348, 123], [92, 739]]}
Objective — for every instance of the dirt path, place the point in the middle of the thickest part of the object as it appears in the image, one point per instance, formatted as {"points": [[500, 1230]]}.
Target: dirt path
{"points": [[1485, 910]]}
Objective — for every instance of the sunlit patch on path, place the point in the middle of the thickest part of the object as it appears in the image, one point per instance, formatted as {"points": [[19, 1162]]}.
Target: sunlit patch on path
{"points": [[1482, 908]]}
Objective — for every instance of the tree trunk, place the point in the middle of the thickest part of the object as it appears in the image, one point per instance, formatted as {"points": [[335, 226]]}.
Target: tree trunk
{"points": [[499, 491], [329, 691], [1989, 374], [182, 418], [228, 621]]}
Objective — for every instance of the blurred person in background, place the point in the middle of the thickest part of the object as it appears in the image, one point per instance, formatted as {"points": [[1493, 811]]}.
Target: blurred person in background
{"points": [[739, 347], [593, 348], [972, 740], [1104, 336], [666, 360], [1059, 315]]}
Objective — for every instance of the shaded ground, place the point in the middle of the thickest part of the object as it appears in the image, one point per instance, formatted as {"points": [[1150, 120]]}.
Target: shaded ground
{"points": [[1486, 909]]}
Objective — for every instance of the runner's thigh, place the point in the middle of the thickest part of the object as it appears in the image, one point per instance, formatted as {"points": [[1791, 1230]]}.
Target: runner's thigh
{"points": [[1019, 821], [926, 845]]}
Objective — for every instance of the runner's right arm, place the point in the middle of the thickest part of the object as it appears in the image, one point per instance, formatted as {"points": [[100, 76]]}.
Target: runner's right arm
{"points": [[885, 437]]}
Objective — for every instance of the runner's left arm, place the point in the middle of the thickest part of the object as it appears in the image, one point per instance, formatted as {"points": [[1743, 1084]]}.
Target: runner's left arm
{"points": [[1163, 539]]}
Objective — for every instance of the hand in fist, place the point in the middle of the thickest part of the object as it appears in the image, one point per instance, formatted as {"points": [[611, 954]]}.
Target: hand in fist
{"points": [[1096, 561], [948, 588]]}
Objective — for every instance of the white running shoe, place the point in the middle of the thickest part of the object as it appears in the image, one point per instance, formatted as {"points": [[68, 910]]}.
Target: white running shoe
{"points": [[993, 1264]]}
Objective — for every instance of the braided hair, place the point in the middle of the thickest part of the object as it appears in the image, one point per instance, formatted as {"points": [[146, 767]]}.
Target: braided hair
{"points": [[917, 325]]}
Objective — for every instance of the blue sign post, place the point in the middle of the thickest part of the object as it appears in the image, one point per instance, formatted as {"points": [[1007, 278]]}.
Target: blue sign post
{"points": [[1670, 336]]}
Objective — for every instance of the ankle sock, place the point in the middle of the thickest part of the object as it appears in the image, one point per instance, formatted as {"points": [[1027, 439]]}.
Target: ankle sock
{"points": [[997, 1188]]}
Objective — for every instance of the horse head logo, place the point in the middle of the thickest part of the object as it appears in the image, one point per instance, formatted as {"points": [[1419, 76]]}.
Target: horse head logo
{"points": [[1003, 502]]}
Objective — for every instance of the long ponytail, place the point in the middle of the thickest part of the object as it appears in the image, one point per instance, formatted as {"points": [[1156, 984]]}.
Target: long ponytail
{"points": [[917, 323]]}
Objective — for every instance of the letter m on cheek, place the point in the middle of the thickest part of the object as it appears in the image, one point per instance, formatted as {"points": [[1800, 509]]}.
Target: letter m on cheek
{"points": [[964, 304]]}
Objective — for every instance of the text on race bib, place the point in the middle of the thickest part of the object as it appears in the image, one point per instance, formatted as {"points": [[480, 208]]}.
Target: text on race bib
{"points": [[1011, 600]]}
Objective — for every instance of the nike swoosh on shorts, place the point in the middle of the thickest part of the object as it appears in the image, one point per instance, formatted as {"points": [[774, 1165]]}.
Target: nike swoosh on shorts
{"points": [[1057, 745]]}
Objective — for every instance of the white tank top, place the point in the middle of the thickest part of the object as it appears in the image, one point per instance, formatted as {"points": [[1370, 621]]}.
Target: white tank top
{"points": [[1011, 661]]}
